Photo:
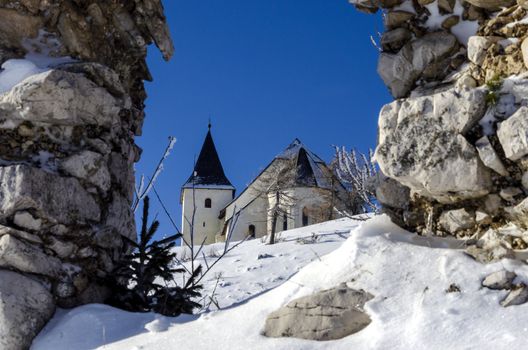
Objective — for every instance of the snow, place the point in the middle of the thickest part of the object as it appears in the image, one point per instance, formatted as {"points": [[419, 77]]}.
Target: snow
{"points": [[463, 30], [408, 276], [39, 59]]}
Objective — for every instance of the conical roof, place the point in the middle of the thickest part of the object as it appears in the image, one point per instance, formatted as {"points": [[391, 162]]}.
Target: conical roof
{"points": [[208, 170]]}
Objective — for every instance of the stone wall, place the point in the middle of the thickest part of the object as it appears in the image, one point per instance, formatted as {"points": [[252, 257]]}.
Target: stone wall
{"points": [[456, 137], [71, 102]]}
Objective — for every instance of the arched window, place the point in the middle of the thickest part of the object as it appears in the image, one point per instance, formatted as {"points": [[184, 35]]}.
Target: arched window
{"points": [[208, 202], [251, 231], [305, 217], [285, 222]]}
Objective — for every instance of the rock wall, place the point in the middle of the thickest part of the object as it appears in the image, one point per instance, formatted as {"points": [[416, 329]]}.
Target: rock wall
{"points": [[454, 143], [71, 102]]}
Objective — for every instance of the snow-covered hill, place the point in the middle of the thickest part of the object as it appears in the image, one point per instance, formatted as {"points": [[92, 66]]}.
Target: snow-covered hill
{"points": [[409, 277]]}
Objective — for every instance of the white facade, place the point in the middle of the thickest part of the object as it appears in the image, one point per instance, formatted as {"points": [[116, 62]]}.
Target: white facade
{"points": [[206, 223]]}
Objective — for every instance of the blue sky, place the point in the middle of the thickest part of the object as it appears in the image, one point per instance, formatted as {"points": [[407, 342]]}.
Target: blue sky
{"points": [[265, 72]]}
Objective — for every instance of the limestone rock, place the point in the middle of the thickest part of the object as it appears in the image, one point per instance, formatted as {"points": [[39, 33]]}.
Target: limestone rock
{"points": [[513, 134], [482, 218], [509, 193], [519, 213], [25, 220], [492, 4], [524, 50], [27, 258], [456, 220], [524, 180], [477, 47], [523, 4], [120, 217], [89, 166], [53, 197], [61, 98], [450, 22], [25, 307], [490, 255], [446, 6], [492, 203], [502, 279], [517, 296], [421, 145], [4, 230], [394, 40], [327, 315], [400, 71], [391, 193], [489, 157], [394, 19], [17, 27], [61, 248]]}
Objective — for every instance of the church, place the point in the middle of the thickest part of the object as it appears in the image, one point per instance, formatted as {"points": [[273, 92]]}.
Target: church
{"points": [[296, 189]]}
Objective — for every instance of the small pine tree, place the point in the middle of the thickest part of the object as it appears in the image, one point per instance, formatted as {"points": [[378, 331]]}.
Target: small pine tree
{"points": [[137, 276]]}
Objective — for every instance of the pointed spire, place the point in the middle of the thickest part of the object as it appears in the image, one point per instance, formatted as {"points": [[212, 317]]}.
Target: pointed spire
{"points": [[208, 170]]}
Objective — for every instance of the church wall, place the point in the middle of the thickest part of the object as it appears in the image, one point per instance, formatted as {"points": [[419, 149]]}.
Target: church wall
{"points": [[253, 214], [213, 225]]}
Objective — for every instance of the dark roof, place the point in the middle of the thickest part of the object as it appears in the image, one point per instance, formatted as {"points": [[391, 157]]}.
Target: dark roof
{"points": [[208, 170], [304, 172], [311, 170]]}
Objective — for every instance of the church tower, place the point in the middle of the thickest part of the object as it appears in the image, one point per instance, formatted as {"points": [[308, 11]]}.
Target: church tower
{"points": [[204, 195]]}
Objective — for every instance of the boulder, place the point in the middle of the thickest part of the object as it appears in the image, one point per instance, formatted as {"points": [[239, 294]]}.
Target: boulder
{"points": [[391, 193], [25, 220], [393, 40], [400, 71], [513, 134], [395, 19], [493, 5], [89, 166], [327, 315], [457, 220], [519, 213], [446, 6], [489, 157], [25, 307], [477, 48], [26, 257], [517, 296], [53, 197], [421, 145], [61, 98], [502, 279]]}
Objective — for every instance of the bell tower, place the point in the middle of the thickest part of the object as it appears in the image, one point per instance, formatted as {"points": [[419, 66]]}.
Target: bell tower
{"points": [[204, 195]]}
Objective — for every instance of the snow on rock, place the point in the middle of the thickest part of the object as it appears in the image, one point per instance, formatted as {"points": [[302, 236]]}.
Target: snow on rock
{"points": [[409, 277]]}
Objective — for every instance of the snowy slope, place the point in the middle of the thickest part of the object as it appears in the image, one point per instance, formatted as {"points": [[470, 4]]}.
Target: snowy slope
{"points": [[407, 275]]}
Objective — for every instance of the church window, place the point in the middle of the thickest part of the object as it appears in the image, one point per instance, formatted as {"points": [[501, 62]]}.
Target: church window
{"points": [[204, 224], [208, 202], [251, 231], [285, 222]]}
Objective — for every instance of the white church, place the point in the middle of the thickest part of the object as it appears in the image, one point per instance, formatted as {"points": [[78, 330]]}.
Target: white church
{"points": [[296, 189]]}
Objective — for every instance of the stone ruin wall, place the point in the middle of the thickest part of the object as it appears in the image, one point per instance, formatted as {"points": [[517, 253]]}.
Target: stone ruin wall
{"points": [[67, 150], [454, 143]]}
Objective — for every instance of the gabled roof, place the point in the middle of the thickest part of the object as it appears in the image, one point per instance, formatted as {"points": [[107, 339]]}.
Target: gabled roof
{"points": [[208, 171], [310, 170]]}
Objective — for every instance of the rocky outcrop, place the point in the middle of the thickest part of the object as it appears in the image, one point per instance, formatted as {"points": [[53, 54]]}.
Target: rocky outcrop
{"points": [[327, 315], [71, 101], [457, 134]]}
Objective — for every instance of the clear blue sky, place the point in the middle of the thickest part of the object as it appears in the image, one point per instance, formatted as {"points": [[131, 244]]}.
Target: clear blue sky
{"points": [[265, 72]]}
